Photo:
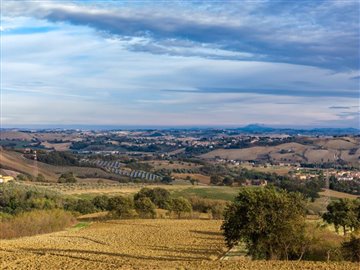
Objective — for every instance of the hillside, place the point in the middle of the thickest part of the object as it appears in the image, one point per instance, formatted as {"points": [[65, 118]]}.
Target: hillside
{"points": [[319, 151], [16, 162], [137, 244]]}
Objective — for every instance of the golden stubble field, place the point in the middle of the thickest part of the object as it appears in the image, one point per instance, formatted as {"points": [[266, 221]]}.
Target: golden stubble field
{"points": [[136, 244]]}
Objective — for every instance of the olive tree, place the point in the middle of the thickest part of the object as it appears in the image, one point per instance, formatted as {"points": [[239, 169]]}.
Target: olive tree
{"points": [[271, 223]]}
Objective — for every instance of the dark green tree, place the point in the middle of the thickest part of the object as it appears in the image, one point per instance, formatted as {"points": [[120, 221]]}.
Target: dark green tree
{"points": [[351, 249], [166, 179], [101, 202], [40, 178], [271, 223], [180, 206], [145, 208], [159, 196], [67, 178], [343, 213], [121, 207], [215, 179]]}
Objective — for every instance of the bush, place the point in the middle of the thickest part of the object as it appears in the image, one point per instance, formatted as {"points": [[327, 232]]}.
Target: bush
{"points": [[101, 202], [121, 207], [40, 178], [35, 222], [145, 208], [351, 249], [159, 196], [214, 207], [67, 178], [180, 206], [15, 198]]}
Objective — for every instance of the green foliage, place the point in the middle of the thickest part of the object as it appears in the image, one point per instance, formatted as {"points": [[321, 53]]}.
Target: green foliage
{"points": [[309, 189], [121, 207], [215, 179], [40, 178], [67, 178], [159, 196], [101, 202], [180, 206], [57, 158], [79, 205], [271, 223], [214, 207], [343, 213], [166, 179], [351, 249], [145, 208], [227, 181], [16, 198]]}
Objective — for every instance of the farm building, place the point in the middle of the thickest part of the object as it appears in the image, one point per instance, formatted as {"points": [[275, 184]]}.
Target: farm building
{"points": [[5, 179]]}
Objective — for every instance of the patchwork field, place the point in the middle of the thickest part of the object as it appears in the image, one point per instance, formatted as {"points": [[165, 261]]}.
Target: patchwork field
{"points": [[319, 151], [136, 244]]}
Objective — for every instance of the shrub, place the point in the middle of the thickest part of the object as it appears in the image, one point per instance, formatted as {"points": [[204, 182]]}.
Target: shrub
{"points": [[351, 249], [214, 207], [145, 208], [159, 196], [121, 207], [15, 198], [35, 222], [67, 178], [180, 206], [101, 202], [40, 178]]}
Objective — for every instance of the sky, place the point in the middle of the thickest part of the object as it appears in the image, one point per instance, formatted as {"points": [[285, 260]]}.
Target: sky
{"points": [[180, 63]]}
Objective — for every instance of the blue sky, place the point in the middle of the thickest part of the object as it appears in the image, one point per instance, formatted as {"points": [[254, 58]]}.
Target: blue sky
{"points": [[206, 63]]}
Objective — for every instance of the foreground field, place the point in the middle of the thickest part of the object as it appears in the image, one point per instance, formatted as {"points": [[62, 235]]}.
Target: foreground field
{"points": [[136, 244]]}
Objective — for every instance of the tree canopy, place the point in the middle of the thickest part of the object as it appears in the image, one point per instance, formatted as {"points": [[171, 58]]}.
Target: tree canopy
{"points": [[271, 223]]}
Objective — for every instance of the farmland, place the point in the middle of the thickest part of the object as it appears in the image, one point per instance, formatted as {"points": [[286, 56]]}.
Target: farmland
{"points": [[319, 151], [137, 244]]}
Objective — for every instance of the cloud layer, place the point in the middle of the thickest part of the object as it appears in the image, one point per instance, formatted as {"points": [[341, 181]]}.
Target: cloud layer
{"points": [[184, 63]]}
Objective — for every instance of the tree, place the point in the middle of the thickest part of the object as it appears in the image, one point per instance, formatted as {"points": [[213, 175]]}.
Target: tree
{"points": [[271, 223], [120, 207], [101, 202], [180, 206], [228, 181], [166, 179], [159, 196], [145, 208], [351, 249], [67, 178], [40, 178], [343, 213], [215, 179]]}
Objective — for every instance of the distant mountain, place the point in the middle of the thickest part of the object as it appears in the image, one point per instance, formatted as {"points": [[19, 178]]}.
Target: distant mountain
{"points": [[255, 128], [260, 129]]}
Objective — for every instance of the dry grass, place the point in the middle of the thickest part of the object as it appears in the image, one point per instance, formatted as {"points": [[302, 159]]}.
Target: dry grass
{"points": [[165, 164], [57, 146], [200, 177], [337, 194], [136, 244]]}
